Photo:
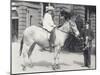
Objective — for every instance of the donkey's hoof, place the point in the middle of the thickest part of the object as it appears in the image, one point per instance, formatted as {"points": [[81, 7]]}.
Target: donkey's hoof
{"points": [[23, 67], [56, 66], [53, 67]]}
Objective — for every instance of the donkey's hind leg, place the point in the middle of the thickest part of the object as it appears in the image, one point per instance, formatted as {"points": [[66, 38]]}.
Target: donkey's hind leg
{"points": [[28, 47], [24, 58]]}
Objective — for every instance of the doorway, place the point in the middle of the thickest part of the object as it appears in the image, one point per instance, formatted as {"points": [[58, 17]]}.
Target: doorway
{"points": [[14, 26]]}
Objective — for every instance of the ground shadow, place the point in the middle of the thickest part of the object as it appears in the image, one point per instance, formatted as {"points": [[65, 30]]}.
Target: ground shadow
{"points": [[64, 64], [42, 63], [79, 63], [46, 64]]}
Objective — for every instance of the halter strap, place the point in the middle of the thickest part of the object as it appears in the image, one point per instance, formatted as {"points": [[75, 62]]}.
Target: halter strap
{"points": [[63, 31]]}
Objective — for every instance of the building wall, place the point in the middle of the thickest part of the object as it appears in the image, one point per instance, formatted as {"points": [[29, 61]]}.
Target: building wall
{"points": [[22, 20], [28, 14], [93, 27], [79, 10]]}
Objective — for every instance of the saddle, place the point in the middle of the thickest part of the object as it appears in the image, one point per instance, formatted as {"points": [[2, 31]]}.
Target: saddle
{"points": [[52, 34]]}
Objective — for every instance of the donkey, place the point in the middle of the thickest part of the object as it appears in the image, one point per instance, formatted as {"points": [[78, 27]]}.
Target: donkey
{"points": [[36, 35]]}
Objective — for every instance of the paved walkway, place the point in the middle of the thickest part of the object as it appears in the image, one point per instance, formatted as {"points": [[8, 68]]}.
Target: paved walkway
{"points": [[42, 61]]}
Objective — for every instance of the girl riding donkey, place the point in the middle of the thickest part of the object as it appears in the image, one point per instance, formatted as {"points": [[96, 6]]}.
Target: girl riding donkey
{"points": [[48, 23], [35, 35]]}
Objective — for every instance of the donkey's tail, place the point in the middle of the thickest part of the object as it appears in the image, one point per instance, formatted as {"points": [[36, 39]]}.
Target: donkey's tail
{"points": [[21, 46], [31, 49]]}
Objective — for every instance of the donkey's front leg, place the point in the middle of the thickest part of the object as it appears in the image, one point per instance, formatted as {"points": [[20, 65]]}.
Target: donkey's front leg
{"points": [[56, 58]]}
